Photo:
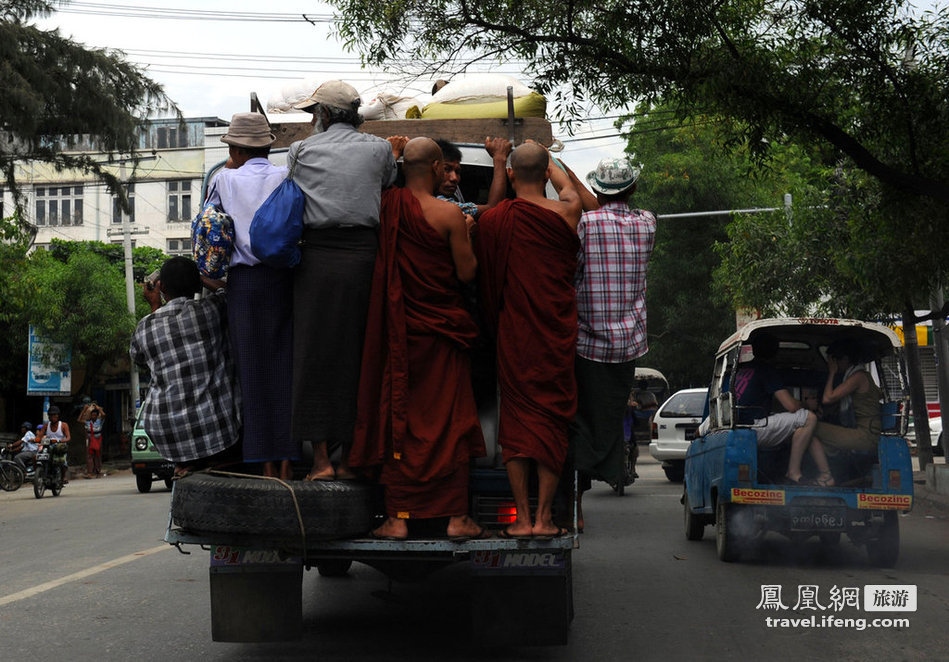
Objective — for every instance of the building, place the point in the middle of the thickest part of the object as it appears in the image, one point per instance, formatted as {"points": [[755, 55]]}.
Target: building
{"points": [[164, 189]]}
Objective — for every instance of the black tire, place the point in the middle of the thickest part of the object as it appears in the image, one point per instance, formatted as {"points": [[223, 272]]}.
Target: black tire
{"points": [[884, 549], [39, 483], [57, 485], [208, 503], [143, 482], [675, 471], [694, 524], [629, 462], [169, 482], [727, 542], [11, 477], [334, 567]]}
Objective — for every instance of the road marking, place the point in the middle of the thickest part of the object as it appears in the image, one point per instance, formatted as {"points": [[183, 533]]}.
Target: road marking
{"points": [[41, 588]]}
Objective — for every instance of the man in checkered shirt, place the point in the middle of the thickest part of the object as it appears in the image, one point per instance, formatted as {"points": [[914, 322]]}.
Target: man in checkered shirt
{"points": [[192, 410], [616, 243]]}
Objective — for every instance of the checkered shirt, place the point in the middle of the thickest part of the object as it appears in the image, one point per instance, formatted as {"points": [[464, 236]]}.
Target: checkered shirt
{"points": [[615, 245], [193, 402]]}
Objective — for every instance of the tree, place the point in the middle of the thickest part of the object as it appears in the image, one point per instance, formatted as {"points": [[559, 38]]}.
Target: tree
{"points": [[687, 168], [55, 91]]}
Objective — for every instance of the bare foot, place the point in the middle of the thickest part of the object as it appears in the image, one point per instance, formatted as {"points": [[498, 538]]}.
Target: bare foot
{"points": [[462, 526], [344, 473], [547, 528], [392, 529], [519, 529], [321, 471]]}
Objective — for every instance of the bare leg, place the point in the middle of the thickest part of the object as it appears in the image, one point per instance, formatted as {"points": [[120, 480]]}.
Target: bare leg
{"points": [[322, 468], [546, 489], [269, 470], [393, 527], [799, 443], [518, 470], [286, 470], [824, 478]]}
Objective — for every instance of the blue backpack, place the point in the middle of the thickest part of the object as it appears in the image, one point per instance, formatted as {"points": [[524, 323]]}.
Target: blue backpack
{"points": [[278, 224]]}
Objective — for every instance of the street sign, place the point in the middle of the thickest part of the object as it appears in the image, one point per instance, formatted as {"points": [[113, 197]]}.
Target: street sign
{"points": [[49, 369]]}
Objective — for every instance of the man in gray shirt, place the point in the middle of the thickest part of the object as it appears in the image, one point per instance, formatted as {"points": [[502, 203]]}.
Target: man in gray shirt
{"points": [[342, 173]]}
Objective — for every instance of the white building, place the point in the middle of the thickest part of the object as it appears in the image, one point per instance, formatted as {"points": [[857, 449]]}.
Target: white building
{"points": [[164, 189]]}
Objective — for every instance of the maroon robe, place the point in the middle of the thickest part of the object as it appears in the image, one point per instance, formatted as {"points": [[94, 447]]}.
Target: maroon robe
{"points": [[527, 258], [417, 415]]}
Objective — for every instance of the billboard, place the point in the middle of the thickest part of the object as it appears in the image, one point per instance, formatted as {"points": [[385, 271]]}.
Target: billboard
{"points": [[49, 369]]}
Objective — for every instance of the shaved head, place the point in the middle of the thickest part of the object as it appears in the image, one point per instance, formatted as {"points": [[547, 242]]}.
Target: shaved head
{"points": [[418, 155], [529, 162]]}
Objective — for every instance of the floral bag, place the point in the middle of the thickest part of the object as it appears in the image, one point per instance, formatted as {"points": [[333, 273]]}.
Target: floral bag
{"points": [[212, 240]]}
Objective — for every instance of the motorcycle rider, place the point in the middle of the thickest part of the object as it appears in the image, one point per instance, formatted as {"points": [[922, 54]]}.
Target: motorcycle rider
{"points": [[25, 447], [56, 431]]}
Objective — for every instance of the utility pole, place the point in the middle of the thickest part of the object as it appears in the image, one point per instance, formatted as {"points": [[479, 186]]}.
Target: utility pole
{"points": [[129, 290]]}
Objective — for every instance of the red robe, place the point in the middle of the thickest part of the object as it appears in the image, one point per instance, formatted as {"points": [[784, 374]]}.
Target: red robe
{"points": [[527, 258], [416, 415]]}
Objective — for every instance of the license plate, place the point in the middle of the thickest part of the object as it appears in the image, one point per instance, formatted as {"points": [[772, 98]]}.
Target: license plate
{"points": [[812, 519]]}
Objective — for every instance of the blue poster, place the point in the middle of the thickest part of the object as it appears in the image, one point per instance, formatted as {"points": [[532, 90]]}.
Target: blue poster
{"points": [[49, 370]]}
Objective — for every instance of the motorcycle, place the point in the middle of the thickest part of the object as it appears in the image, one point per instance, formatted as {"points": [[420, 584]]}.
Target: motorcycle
{"points": [[11, 474], [50, 469]]}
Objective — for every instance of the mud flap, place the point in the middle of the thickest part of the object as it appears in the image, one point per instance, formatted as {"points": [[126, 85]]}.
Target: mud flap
{"points": [[521, 598], [256, 595]]}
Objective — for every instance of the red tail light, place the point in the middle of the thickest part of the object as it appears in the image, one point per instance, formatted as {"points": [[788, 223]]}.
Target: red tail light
{"points": [[655, 431], [507, 513]]}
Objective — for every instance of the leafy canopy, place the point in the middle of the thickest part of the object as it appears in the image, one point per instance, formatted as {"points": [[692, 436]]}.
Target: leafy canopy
{"points": [[56, 91]]}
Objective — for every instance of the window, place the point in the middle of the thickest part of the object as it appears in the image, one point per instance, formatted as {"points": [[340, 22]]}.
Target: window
{"points": [[179, 200], [58, 205], [170, 136], [179, 247], [117, 211]]}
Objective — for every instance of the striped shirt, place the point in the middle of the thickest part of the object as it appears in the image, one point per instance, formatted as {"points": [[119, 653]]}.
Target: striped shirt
{"points": [[615, 245]]}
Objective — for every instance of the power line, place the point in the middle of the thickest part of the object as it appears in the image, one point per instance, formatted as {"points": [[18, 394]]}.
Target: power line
{"points": [[168, 13]]}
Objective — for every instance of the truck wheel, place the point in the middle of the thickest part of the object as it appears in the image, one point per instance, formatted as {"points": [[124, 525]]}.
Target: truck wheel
{"points": [[675, 471], [334, 567], [694, 524], [210, 503], [726, 539], [884, 549], [143, 482]]}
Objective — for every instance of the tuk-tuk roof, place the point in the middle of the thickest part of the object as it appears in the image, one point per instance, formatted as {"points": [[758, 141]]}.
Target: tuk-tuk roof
{"points": [[650, 373], [820, 329]]}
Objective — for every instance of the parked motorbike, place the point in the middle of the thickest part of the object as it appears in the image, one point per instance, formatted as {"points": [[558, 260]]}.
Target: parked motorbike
{"points": [[11, 474], [50, 469]]}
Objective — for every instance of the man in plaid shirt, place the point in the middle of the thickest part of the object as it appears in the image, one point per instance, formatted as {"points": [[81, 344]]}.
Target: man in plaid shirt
{"points": [[616, 243], [192, 410]]}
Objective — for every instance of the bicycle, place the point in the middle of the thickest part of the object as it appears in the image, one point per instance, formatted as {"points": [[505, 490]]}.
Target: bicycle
{"points": [[11, 473]]}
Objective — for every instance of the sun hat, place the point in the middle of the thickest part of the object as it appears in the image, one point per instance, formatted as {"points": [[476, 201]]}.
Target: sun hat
{"points": [[334, 93], [613, 176], [248, 130]]}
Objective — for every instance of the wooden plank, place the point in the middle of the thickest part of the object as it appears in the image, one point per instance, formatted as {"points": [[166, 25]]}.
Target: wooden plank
{"points": [[472, 131]]}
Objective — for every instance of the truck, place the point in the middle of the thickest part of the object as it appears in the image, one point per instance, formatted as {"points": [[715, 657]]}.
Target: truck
{"points": [[739, 488], [262, 534]]}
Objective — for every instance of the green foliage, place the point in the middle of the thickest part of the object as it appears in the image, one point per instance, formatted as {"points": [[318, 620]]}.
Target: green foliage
{"points": [[864, 80], [689, 168], [56, 90]]}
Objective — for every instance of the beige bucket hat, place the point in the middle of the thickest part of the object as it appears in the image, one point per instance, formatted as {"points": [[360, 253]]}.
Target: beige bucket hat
{"points": [[248, 130]]}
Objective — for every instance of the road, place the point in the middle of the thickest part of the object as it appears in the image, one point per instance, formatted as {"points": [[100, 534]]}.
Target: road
{"points": [[85, 576]]}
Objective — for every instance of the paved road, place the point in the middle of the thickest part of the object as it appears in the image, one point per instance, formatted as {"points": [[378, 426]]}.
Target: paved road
{"points": [[91, 565]]}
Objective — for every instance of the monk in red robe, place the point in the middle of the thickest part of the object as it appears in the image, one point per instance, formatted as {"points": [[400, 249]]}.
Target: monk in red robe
{"points": [[417, 416], [527, 252]]}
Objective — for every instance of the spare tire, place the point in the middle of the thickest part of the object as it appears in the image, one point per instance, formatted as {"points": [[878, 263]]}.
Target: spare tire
{"points": [[209, 503]]}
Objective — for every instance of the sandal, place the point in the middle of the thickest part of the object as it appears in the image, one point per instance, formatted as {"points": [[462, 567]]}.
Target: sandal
{"points": [[824, 479]]}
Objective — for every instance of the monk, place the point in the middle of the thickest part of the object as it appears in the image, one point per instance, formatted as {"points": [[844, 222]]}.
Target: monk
{"points": [[527, 252], [416, 415]]}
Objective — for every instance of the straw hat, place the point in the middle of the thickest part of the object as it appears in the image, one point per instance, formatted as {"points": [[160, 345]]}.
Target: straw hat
{"points": [[613, 176]]}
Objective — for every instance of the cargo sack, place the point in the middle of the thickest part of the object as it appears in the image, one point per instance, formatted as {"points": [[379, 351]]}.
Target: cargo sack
{"points": [[212, 241], [278, 224]]}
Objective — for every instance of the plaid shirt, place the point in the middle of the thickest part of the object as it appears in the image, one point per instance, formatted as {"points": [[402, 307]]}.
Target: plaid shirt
{"points": [[193, 402], [615, 245]]}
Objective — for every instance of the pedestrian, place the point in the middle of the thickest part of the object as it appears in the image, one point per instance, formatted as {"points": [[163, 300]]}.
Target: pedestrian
{"points": [[92, 417]]}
